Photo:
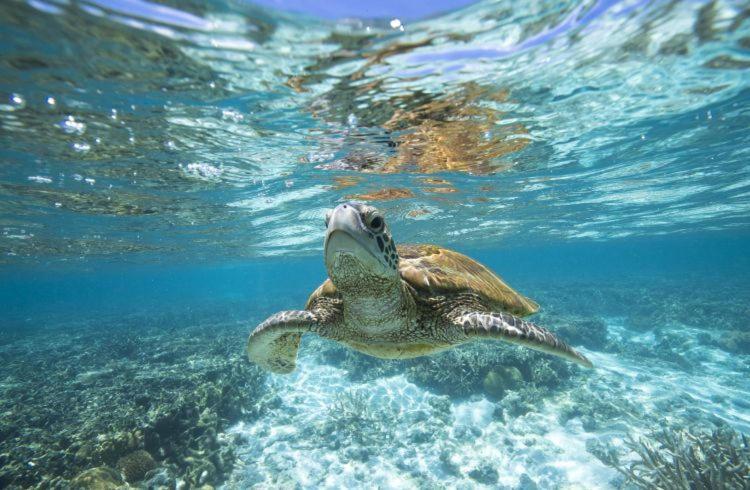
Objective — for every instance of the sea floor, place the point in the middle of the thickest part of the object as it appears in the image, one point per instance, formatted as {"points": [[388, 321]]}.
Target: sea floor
{"points": [[149, 401], [124, 396], [418, 439]]}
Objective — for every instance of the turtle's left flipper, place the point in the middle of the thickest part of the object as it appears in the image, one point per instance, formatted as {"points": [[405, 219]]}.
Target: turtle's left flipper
{"points": [[273, 344], [504, 326]]}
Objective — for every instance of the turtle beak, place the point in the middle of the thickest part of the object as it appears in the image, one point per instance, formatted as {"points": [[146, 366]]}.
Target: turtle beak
{"points": [[347, 235]]}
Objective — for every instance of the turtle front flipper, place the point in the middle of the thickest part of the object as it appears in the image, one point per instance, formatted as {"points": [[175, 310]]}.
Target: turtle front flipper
{"points": [[504, 326], [273, 344]]}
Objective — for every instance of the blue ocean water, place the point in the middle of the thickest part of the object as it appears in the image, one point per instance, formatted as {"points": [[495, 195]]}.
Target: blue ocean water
{"points": [[165, 171]]}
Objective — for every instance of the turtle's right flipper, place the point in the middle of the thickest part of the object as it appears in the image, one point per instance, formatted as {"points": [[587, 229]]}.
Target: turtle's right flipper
{"points": [[504, 326], [273, 344]]}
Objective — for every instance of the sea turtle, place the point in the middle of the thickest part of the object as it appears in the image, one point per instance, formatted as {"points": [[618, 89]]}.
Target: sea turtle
{"points": [[399, 302]]}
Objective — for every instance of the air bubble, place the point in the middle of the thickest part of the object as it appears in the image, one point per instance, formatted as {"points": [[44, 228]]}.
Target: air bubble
{"points": [[81, 147], [18, 101], [71, 126], [40, 179]]}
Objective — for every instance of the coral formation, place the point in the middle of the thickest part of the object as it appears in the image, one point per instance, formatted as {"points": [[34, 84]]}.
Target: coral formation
{"points": [[595, 409], [484, 473], [135, 465], [590, 332], [526, 483], [650, 302], [518, 378], [73, 403], [679, 459], [499, 380], [733, 341], [352, 420], [464, 370], [73, 399], [431, 422], [100, 478]]}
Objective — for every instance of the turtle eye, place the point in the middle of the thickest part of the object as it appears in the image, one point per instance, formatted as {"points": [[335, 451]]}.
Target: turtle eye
{"points": [[376, 223]]}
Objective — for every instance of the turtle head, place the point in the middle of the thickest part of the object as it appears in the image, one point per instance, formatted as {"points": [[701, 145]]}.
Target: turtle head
{"points": [[359, 250]]}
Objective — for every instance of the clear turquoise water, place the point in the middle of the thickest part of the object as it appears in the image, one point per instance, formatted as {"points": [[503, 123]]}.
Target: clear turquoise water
{"points": [[176, 160]]}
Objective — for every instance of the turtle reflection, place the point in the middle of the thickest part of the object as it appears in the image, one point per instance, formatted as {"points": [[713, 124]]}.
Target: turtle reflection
{"points": [[461, 131]]}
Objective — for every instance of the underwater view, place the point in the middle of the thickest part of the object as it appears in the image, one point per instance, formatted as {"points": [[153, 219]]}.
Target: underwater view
{"points": [[399, 245]]}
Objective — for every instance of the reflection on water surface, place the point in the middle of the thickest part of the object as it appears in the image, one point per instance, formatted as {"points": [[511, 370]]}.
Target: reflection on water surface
{"points": [[208, 129]]}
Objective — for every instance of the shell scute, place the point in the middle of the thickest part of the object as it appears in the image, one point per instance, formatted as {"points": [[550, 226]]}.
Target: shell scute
{"points": [[435, 271]]}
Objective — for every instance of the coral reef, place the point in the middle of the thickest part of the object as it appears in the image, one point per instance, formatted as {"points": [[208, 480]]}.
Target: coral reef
{"points": [[135, 465], [352, 420], [520, 402], [100, 478], [76, 406], [499, 380], [492, 368], [679, 459], [733, 341], [495, 415], [464, 370], [598, 408], [652, 302], [590, 332], [484, 473], [358, 424], [518, 379], [145, 396]]}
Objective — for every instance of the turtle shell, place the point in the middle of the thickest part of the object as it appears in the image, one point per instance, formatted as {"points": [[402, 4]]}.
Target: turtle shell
{"points": [[436, 271]]}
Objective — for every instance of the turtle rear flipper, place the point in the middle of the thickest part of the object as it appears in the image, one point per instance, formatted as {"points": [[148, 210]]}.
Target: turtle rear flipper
{"points": [[504, 326], [273, 344]]}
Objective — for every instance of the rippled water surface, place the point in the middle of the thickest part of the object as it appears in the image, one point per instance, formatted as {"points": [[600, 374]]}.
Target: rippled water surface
{"points": [[137, 130]]}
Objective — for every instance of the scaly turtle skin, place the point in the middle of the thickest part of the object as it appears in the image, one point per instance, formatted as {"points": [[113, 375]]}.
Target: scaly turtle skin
{"points": [[399, 302]]}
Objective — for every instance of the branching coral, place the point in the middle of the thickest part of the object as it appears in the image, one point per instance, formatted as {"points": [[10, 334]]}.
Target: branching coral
{"points": [[679, 459], [353, 419]]}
